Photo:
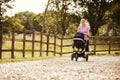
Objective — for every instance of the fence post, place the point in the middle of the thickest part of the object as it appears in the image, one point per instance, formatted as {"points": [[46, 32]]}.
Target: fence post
{"points": [[47, 45], [94, 44], [24, 38], [109, 44], [61, 45], [55, 45], [13, 42], [40, 44], [33, 38]]}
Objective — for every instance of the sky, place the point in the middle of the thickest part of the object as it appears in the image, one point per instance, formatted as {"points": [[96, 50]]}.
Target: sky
{"points": [[36, 6]]}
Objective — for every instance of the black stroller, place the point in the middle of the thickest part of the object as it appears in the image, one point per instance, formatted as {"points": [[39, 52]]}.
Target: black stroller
{"points": [[80, 44]]}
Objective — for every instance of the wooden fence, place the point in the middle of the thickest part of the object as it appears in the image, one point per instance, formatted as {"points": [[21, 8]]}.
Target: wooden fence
{"points": [[50, 44]]}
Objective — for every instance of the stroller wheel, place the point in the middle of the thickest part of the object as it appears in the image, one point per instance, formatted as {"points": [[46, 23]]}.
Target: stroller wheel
{"points": [[76, 57], [72, 57], [86, 57]]}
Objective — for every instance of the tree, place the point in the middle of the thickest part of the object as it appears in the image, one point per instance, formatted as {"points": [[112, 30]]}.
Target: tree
{"points": [[4, 5], [114, 24], [2, 10], [44, 17], [26, 19], [13, 22], [38, 22], [96, 12], [115, 12], [60, 7]]}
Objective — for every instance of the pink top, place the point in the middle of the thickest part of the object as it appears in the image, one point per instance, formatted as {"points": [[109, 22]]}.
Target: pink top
{"points": [[85, 31]]}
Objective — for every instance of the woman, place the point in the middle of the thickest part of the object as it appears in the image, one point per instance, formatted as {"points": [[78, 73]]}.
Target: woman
{"points": [[84, 28]]}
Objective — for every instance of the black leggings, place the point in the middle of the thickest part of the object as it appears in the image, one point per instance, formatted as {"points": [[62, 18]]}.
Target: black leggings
{"points": [[87, 45]]}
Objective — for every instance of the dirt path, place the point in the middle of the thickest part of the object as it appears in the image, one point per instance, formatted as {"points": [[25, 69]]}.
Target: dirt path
{"points": [[97, 68]]}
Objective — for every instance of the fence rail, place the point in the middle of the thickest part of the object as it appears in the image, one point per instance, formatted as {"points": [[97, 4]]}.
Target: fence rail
{"points": [[45, 44]]}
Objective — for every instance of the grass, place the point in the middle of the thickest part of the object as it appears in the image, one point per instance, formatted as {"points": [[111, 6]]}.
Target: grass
{"points": [[6, 56], [28, 59]]}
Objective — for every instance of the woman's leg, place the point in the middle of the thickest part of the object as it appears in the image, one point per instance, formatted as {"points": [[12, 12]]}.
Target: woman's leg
{"points": [[87, 46]]}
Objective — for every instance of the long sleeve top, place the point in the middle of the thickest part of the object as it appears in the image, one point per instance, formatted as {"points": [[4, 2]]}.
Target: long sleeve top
{"points": [[84, 30]]}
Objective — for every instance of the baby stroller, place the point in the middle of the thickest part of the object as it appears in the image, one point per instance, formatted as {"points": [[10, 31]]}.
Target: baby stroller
{"points": [[80, 44]]}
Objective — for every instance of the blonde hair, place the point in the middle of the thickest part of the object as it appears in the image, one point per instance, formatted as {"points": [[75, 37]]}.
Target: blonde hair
{"points": [[85, 21]]}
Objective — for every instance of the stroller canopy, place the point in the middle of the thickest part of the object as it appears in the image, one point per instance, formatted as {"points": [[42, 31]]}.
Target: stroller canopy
{"points": [[79, 36], [78, 40]]}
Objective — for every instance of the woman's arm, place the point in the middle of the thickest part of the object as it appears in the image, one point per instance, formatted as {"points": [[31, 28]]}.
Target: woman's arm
{"points": [[78, 30], [87, 31]]}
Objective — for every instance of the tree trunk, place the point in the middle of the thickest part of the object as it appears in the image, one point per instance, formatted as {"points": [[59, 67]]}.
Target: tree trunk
{"points": [[0, 32], [44, 17], [63, 19]]}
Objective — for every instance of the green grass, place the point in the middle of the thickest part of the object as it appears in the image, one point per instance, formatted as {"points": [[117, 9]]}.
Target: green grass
{"points": [[29, 59], [6, 56]]}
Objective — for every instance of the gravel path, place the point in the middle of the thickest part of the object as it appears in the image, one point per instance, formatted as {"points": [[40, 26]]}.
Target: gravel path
{"points": [[97, 68]]}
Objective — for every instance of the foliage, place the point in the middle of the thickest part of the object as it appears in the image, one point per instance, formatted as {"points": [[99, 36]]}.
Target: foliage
{"points": [[59, 18], [95, 13], [114, 21], [116, 13], [4, 5], [12, 22], [38, 22], [60, 8], [52, 24], [26, 19]]}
